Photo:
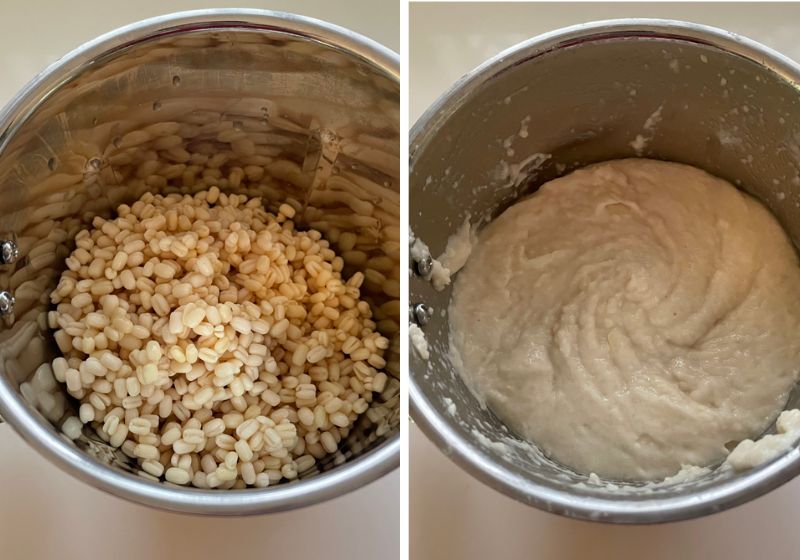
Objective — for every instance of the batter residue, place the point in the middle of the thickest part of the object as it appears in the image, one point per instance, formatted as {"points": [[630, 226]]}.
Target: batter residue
{"points": [[631, 317]]}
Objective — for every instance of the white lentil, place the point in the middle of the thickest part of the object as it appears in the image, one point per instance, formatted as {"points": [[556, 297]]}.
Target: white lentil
{"points": [[181, 447], [177, 476], [144, 451], [194, 436], [328, 442], [153, 467], [243, 450], [72, 427], [119, 436]]}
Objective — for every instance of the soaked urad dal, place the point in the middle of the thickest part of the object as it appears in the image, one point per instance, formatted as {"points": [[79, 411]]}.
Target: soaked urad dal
{"points": [[631, 317], [214, 342]]}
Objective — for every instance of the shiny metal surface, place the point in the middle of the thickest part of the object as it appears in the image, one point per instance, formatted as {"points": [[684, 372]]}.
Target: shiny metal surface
{"points": [[9, 252], [421, 313], [7, 302], [424, 265], [585, 94], [310, 110]]}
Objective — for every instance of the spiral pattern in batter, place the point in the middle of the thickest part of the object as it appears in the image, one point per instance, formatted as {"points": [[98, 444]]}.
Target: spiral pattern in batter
{"points": [[631, 317]]}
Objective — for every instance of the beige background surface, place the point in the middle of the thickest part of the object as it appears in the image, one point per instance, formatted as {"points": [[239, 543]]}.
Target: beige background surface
{"points": [[452, 514], [46, 514]]}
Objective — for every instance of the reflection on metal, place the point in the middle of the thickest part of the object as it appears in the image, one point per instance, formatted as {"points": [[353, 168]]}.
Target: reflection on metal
{"points": [[421, 314], [9, 252], [7, 302], [424, 265]]}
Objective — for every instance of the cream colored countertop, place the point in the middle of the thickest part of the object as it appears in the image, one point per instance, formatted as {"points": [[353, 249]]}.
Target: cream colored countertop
{"points": [[452, 514], [45, 513]]}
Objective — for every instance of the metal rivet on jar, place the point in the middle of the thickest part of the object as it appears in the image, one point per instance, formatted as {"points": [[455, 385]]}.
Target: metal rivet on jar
{"points": [[7, 302], [425, 265], [421, 313], [9, 252]]}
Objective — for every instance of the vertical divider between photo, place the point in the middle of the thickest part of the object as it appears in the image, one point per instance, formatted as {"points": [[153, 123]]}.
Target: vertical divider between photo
{"points": [[405, 126]]}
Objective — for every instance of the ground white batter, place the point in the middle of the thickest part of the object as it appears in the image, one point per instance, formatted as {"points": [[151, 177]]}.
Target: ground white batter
{"points": [[632, 317]]}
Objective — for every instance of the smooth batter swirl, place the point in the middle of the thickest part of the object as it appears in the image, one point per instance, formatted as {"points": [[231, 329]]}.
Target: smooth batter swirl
{"points": [[631, 317]]}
